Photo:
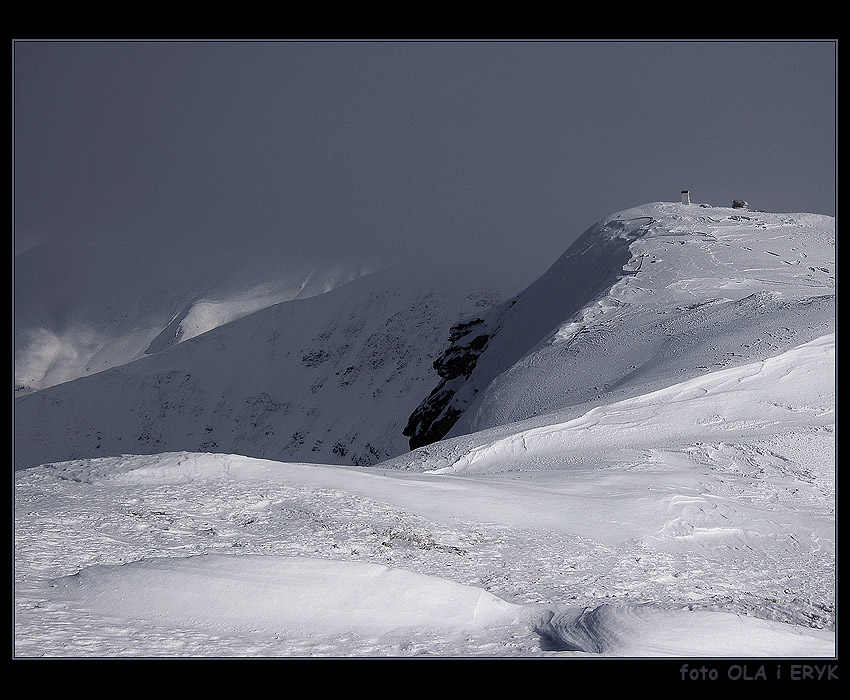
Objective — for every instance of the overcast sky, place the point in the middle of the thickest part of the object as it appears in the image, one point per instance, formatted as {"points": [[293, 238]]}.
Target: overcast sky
{"points": [[390, 149]]}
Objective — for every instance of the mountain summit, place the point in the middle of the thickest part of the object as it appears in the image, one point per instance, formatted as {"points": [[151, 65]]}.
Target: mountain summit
{"points": [[644, 298]]}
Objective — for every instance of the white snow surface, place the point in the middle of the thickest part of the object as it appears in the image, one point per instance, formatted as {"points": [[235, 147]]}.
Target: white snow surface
{"points": [[655, 294], [684, 507], [273, 593]]}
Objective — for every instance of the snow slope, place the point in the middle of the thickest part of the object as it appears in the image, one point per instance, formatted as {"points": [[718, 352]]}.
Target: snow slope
{"points": [[655, 294], [650, 295], [330, 378], [752, 402]]}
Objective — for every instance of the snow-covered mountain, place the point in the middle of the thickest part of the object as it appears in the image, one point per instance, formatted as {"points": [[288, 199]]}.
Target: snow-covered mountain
{"points": [[329, 378], [695, 521], [646, 297], [633, 456], [82, 309]]}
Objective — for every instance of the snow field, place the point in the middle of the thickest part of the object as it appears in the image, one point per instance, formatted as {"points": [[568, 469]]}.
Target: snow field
{"points": [[669, 550], [755, 398]]}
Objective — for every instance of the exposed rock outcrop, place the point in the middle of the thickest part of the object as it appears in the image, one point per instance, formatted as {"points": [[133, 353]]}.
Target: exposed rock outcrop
{"points": [[435, 416]]}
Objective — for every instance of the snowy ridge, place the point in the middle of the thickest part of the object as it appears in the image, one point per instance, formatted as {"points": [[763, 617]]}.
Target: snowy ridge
{"points": [[710, 550], [653, 293], [686, 289], [594, 262], [706, 408], [80, 310]]}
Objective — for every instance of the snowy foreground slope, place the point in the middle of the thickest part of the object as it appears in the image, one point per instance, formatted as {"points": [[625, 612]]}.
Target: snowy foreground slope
{"points": [[685, 507], [701, 523]]}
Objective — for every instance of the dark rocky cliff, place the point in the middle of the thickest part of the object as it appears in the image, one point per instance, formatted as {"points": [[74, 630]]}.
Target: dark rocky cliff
{"points": [[439, 411]]}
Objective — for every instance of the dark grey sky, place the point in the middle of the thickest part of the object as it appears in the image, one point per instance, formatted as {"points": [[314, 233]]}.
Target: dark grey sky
{"points": [[396, 148]]}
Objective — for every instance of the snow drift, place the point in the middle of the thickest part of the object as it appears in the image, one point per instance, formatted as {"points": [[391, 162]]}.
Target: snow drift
{"points": [[274, 594], [744, 403], [298, 595]]}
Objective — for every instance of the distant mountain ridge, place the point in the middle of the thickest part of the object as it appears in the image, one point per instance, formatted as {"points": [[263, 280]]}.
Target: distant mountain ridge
{"points": [[81, 309], [330, 378]]}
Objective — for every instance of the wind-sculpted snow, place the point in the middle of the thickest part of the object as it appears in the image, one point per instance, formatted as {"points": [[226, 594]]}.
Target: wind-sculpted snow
{"points": [[655, 294], [648, 631], [221, 555], [644, 465], [745, 402], [682, 547], [306, 597], [284, 594]]}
